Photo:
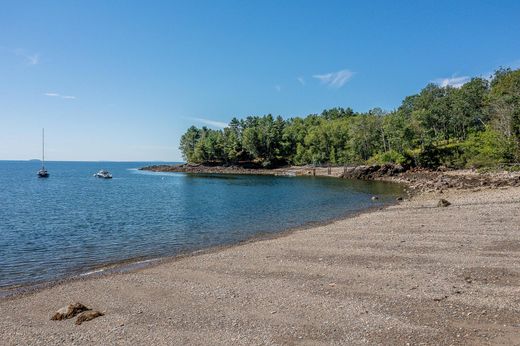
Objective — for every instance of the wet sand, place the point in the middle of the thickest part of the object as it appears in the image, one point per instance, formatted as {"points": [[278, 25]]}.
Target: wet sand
{"points": [[411, 273]]}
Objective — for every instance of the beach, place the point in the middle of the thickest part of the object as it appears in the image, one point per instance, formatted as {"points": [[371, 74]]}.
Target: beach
{"points": [[411, 273]]}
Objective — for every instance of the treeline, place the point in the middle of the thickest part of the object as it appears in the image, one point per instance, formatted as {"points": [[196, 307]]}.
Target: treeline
{"points": [[476, 125]]}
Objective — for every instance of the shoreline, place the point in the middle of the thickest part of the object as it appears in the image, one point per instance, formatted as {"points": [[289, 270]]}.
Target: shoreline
{"points": [[140, 263], [416, 180], [188, 168], [415, 183], [410, 272], [125, 265]]}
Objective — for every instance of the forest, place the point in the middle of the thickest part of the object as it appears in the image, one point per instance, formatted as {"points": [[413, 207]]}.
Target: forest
{"points": [[474, 126]]}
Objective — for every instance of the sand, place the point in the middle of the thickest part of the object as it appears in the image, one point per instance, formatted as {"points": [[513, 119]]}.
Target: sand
{"points": [[408, 274]]}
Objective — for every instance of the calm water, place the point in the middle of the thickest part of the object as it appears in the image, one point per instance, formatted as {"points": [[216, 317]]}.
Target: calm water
{"points": [[72, 222]]}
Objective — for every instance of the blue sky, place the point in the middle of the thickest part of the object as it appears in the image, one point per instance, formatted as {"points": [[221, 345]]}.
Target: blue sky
{"points": [[122, 80]]}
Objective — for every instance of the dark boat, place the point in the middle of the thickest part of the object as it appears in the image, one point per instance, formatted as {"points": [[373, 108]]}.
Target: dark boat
{"points": [[42, 173]]}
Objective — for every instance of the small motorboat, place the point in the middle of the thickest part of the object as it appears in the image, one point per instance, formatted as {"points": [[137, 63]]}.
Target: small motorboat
{"points": [[103, 174]]}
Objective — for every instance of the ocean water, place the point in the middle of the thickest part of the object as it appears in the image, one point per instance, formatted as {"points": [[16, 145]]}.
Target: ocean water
{"points": [[72, 222]]}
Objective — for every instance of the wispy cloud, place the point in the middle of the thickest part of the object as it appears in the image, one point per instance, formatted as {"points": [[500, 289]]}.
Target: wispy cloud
{"points": [[335, 79], [68, 97], [33, 59], [214, 123], [455, 82], [301, 80], [278, 88], [30, 58]]}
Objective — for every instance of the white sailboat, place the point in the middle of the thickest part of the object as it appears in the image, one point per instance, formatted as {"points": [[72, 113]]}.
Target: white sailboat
{"points": [[42, 173]]}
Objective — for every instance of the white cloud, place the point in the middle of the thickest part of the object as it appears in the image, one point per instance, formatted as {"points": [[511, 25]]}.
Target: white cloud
{"points": [[278, 88], [301, 80], [455, 82], [52, 94], [214, 123], [334, 79]]}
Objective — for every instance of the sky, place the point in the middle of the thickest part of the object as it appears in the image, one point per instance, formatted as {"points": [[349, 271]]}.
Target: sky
{"points": [[122, 80]]}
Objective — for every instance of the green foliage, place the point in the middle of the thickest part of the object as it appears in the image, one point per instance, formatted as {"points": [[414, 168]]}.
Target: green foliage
{"points": [[504, 100], [188, 142], [477, 125], [390, 156], [487, 149]]}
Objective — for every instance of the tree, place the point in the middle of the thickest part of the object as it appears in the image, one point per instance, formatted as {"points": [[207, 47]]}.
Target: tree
{"points": [[504, 102], [188, 142], [439, 125]]}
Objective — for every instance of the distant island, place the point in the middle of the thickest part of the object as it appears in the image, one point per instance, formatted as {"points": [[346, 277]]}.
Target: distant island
{"points": [[476, 125]]}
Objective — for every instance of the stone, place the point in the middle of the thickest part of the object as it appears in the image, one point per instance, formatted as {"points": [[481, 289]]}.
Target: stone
{"points": [[88, 316], [443, 203], [438, 299]]}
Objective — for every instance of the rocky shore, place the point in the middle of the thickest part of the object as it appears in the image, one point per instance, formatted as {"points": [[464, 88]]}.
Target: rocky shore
{"points": [[440, 181], [209, 169], [417, 180]]}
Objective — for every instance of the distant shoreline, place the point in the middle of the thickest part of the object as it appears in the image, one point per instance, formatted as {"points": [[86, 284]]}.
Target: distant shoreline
{"points": [[246, 170], [417, 180]]}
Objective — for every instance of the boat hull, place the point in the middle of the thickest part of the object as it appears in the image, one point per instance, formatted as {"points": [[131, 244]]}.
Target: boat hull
{"points": [[100, 177], [42, 173]]}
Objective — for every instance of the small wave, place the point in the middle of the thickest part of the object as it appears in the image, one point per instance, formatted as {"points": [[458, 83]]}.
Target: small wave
{"points": [[92, 272]]}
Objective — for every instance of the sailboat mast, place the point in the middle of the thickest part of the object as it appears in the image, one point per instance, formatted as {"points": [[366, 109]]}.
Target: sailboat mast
{"points": [[43, 147]]}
